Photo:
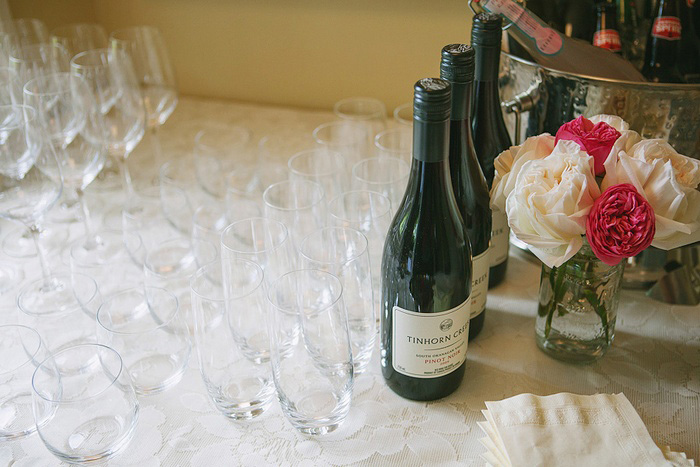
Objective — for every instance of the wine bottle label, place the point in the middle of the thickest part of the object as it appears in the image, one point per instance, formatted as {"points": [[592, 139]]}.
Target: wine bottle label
{"points": [[667, 27], [548, 41], [480, 282], [429, 345], [500, 238], [607, 39]]}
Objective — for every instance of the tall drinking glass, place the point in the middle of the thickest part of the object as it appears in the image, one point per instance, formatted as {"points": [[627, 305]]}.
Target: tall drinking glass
{"points": [[346, 137], [395, 142], [365, 111], [298, 204], [403, 115], [321, 166], [386, 175], [343, 253], [155, 74], [240, 387], [264, 241], [310, 350]]}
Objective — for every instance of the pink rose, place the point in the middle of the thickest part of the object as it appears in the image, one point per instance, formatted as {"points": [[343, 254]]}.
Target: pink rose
{"points": [[596, 139], [621, 224]]}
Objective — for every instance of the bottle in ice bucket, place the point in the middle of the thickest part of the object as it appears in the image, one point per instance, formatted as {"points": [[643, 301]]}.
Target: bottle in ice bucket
{"points": [[663, 44]]}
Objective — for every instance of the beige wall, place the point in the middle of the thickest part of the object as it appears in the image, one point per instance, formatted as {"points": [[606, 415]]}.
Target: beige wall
{"points": [[307, 53]]}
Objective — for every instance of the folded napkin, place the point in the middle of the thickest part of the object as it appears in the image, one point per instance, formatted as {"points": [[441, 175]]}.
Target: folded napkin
{"points": [[572, 430]]}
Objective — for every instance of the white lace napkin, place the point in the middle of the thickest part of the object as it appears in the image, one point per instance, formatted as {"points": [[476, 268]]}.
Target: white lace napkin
{"points": [[572, 430]]}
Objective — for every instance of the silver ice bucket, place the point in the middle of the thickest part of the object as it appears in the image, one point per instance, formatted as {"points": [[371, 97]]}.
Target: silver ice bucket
{"points": [[538, 99]]}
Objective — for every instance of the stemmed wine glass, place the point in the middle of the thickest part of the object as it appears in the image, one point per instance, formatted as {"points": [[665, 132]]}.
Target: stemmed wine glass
{"points": [[110, 77], [26, 191], [155, 75], [75, 128]]}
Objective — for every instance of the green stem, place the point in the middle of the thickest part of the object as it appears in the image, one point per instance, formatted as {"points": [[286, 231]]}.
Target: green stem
{"points": [[594, 300], [559, 288]]}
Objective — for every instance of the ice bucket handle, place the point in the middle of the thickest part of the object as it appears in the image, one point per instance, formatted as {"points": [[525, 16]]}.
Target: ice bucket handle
{"points": [[523, 102]]}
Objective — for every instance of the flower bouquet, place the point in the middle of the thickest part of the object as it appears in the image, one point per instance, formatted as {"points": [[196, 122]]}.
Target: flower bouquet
{"points": [[584, 200]]}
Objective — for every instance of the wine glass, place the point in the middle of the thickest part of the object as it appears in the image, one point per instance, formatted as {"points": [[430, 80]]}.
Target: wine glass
{"points": [[403, 115], [23, 31], [26, 191], [111, 79], [30, 61], [155, 75], [10, 87], [395, 142], [366, 111], [69, 116]]}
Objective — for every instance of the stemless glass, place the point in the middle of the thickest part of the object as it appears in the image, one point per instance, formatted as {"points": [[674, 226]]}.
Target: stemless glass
{"points": [[395, 142], [348, 138], [26, 192], [298, 204], [155, 74], [321, 166], [21, 351], [386, 175], [310, 350], [217, 150], [343, 253], [264, 241], [240, 387], [110, 77], [85, 407], [145, 325], [366, 111], [65, 316], [75, 128]]}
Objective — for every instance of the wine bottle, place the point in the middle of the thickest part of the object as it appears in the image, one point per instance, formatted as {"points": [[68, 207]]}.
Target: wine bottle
{"points": [[663, 44], [426, 265], [489, 130], [553, 49], [468, 182], [606, 34], [690, 42]]}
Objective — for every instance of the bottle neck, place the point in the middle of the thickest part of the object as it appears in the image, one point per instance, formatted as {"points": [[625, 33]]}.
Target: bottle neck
{"points": [[430, 141], [461, 101], [487, 59]]}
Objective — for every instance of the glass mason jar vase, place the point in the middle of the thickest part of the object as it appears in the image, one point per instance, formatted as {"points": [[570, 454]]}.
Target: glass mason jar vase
{"points": [[578, 307]]}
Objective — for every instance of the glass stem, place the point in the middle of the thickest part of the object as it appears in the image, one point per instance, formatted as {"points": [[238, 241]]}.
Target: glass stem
{"points": [[87, 222], [154, 136], [45, 272], [126, 177]]}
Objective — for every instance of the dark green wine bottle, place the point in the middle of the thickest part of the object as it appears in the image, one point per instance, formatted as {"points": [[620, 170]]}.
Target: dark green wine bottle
{"points": [[488, 128], [426, 266], [468, 182]]}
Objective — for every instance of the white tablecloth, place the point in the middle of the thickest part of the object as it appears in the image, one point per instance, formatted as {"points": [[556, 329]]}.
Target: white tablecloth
{"points": [[655, 361]]}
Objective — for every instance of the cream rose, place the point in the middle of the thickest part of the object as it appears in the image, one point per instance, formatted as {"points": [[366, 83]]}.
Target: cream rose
{"points": [[612, 120], [509, 163], [668, 181], [548, 207]]}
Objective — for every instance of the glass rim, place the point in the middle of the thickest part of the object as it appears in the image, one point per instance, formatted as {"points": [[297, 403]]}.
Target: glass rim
{"points": [[185, 242], [395, 160], [89, 54], [164, 174], [114, 35], [391, 131], [397, 113], [287, 311], [371, 194], [18, 58], [72, 348], [79, 303], [275, 186], [32, 354], [143, 292], [336, 123], [60, 75], [249, 220], [338, 157], [354, 232], [380, 111]]}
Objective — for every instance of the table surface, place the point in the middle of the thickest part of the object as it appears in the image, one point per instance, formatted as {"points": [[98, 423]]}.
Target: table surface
{"points": [[654, 361]]}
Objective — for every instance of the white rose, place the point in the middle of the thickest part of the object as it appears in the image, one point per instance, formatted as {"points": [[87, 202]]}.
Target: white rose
{"points": [[669, 181], [509, 163], [552, 197], [612, 120]]}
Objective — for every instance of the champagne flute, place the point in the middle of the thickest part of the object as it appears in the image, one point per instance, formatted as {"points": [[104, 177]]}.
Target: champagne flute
{"points": [[111, 79], [156, 77], [69, 115]]}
